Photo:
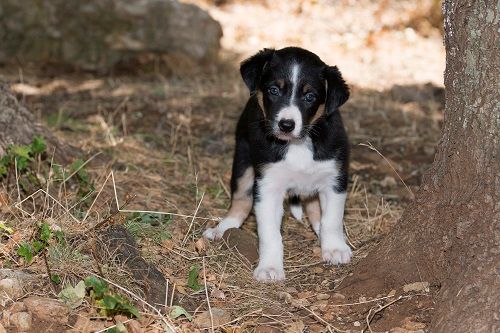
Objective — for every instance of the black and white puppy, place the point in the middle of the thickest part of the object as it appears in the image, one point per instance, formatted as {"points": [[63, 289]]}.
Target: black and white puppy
{"points": [[290, 142]]}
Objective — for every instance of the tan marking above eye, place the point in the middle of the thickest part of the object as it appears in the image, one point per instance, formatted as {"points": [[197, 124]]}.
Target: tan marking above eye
{"points": [[307, 87], [280, 83]]}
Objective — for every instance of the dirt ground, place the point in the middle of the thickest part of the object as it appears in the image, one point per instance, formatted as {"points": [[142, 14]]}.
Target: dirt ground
{"points": [[168, 137]]}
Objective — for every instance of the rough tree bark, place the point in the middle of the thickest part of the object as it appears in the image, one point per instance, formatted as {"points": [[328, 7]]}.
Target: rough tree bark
{"points": [[17, 124], [450, 235]]}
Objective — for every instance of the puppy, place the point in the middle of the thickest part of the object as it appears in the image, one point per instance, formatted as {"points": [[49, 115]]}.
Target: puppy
{"points": [[290, 142]]}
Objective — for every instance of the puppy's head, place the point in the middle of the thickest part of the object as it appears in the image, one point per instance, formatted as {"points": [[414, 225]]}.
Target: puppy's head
{"points": [[294, 89]]}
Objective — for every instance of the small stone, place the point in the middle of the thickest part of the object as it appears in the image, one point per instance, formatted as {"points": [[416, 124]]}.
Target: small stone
{"points": [[322, 296], [304, 294], [320, 305], [219, 317], [120, 327], [284, 296], [11, 288], [134, 326], [391, 293], [47, 309], [357, 323], [416, 286], [121, 318], [317, 270], [411, 325], [6, 318], [22, 321], [362, 299], [388, 181], [17, 307], [338, 298]]}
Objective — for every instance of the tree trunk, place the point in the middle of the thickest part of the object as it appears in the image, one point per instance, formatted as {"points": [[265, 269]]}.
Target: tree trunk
{"points": [[450, 235], [18, 126]]}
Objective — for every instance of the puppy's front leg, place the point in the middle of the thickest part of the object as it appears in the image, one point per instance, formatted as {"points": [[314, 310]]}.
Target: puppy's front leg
{"points": [[269, 213], [334, 249]]}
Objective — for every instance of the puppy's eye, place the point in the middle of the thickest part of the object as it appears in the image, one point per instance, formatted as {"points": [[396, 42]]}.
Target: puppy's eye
{"points": [[310, 97], [274, 91]]}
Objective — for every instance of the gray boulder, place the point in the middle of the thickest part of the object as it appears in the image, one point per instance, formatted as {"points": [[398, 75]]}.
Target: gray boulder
{"points": [[98, 34]]}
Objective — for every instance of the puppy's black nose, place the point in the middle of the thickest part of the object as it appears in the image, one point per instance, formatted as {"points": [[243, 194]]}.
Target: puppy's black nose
{"points": [[286, 125]]}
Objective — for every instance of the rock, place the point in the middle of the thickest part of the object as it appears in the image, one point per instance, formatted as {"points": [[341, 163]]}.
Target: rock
{"points": [[10, 288], [99, 34], [321, 296], [121, 244], [134, 326], [2, 329], [47, 309], [356, 324], [22, 321], [416, 286], [337, 298], [411, 325], [244, 242], [17, 307], [220, 317], [6, 318]]}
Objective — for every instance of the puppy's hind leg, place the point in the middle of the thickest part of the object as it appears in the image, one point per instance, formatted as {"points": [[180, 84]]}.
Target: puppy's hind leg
{"points": [[313, 211], [242, 182]]}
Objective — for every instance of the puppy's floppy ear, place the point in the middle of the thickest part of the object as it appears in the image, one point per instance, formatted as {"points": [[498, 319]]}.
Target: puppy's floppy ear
{"points": [[251, 69], [337, 91]]}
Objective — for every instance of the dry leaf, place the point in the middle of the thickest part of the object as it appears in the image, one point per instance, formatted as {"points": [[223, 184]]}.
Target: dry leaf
{"points": [[296, 327], [200, 245]]}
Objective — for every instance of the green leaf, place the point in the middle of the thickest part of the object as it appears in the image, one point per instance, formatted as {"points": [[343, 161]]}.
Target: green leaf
{"points": [[59, 236], [45, 233], [110, 302], [193, 278], [25, 251], [55, 278], [99, 286], [21, 151], [38, 246], [73, 296], [177, 311], [3, 170], [38, 145], [21, 163], [5, 228], [82, 174], [129, 308]]}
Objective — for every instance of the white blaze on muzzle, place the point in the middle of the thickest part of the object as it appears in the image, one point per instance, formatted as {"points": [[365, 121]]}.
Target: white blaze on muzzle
{"points": [[291, 112]]}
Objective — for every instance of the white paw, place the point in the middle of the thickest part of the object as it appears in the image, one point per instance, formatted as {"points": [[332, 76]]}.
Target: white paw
{"points": [[213, 233], [269, 274], [339, 253]]}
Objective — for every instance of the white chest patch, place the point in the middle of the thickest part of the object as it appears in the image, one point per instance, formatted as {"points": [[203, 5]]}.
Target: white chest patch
{"points": [[299, 173]]}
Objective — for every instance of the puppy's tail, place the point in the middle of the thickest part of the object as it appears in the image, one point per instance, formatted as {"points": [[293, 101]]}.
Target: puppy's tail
{"points": [[295, 207]]}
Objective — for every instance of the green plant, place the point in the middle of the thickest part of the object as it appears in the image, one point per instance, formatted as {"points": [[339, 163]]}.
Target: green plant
{"points": [[147, 225], [193, 275], [21, 156], [108, 302], [40, 244]]}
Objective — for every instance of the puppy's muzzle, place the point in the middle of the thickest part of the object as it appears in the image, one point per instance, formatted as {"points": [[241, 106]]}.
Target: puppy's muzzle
{"points": [[286, 125]]}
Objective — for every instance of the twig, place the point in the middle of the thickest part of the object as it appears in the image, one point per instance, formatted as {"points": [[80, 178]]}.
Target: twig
{"points": [[206, 294], [370, 146], [47, 267], [370, 315], [328, 325], [192, 220]]}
